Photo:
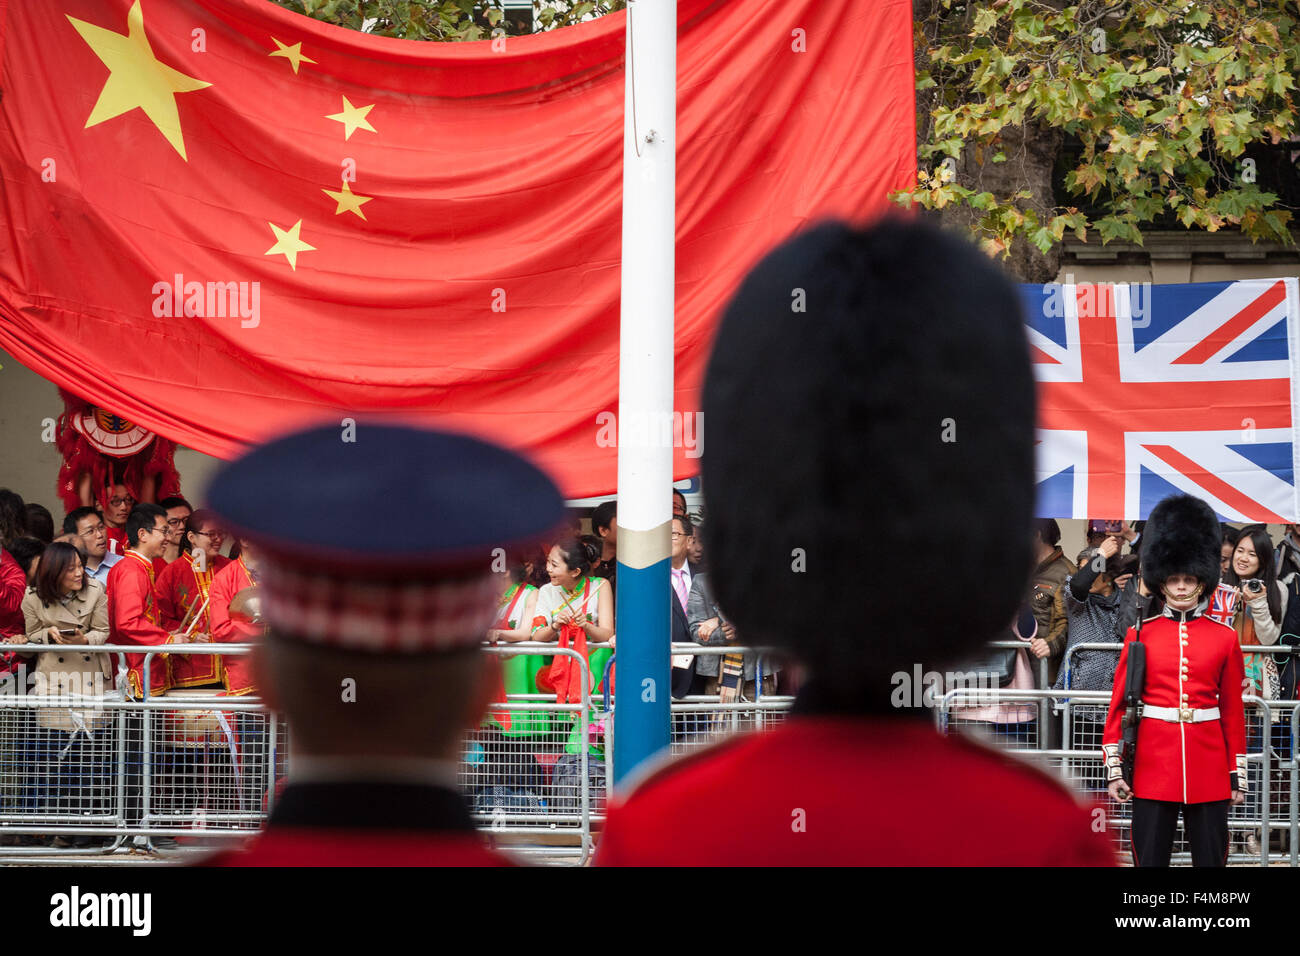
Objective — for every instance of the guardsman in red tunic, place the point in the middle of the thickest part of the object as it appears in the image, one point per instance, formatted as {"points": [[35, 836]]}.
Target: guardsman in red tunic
{"points": [[1191, 741], [183, 588], [133, 614], [373, 648], [236, 669], [899, 408]]}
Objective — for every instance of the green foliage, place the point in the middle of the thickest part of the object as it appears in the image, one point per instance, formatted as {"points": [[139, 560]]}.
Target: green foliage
{"points": [[446, 20], [1164, 95]]}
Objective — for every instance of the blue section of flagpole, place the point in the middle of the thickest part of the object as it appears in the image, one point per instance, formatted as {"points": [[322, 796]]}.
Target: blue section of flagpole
{"points": [[642, 690], [645, 384]]}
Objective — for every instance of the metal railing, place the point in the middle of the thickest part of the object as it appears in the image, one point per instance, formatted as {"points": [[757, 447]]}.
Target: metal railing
{"points": [[205, 767], [1271, 803], [208, 766]]}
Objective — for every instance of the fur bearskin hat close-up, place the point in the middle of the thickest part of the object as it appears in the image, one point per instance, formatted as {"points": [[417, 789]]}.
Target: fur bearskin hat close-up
{"points": [[1182, 536]]}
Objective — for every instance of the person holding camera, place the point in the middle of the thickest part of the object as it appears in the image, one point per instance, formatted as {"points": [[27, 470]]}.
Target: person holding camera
{"points": [[1190, 749], [1262, 605], [1092, 597], [1257, 619]]}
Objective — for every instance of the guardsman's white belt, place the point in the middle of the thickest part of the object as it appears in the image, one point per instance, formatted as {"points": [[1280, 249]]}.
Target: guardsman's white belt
{"points": [[1181, 715]]}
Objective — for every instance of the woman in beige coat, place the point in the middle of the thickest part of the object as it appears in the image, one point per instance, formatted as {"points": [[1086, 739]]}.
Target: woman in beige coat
{"points": [[71, 747]]}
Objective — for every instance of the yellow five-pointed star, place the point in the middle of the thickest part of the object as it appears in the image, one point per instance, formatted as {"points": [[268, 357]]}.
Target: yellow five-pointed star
{"points": [[347, 200], [291, 53], [288, 243], [136, 78], [353, 118]]}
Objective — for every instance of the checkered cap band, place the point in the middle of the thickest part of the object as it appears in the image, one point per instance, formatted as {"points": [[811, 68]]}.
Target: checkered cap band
{"points": [[379, 616]]}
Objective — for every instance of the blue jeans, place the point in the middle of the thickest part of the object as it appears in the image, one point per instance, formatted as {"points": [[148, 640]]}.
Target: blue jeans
{"points": [[68, 773]]}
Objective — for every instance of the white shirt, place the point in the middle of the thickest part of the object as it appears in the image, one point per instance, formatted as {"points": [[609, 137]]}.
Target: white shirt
{"points": [[551, 598]]}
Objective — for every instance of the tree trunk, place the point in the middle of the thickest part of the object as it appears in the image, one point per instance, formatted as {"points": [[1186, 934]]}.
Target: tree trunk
{"points": [[1031, 155], [1031, 152]]}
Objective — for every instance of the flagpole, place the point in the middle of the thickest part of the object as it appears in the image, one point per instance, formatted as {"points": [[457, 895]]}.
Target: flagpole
{"points": [[645, 384]]}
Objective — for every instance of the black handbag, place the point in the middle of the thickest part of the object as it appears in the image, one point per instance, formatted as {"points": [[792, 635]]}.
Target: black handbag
{"points": [[997, 662]]}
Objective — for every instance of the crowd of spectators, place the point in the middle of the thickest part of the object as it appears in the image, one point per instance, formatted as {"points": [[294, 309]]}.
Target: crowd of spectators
{"points": [[169, 558], [1096, 598]]}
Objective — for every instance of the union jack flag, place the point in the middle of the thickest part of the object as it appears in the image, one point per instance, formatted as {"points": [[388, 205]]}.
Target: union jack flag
{"points": [[1149, 390]]}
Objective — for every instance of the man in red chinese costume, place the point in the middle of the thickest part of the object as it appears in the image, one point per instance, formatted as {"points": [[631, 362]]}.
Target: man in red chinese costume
{"points": [[184, 593], [239, 575], [1191, 737], [373, 644], [133, 613], [134, 618]]}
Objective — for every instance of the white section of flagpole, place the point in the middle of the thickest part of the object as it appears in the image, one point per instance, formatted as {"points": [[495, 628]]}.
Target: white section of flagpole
{"points": [[645, 407]]}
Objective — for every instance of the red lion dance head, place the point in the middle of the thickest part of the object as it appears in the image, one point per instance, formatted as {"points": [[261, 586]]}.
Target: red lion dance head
{"points": [[101, 449]]}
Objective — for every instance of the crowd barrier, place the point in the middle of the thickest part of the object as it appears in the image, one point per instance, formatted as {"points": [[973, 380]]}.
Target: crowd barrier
{"points": [[102, 775], [94, 771], [1270, 813], [204, 768]]}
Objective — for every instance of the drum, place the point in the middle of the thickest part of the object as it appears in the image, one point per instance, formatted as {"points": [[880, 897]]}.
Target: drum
{"points": [[192, 728]]}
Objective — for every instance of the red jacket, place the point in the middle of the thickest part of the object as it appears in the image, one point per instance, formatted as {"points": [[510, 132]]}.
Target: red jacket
{"points": [[133, 619], [1196, 665], [177, 589], [237, 671], [874, 791], [13, 585]]}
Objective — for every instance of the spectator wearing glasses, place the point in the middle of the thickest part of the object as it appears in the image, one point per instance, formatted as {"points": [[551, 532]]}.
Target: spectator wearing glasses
{"points": [[117, 508], [183, 591], [133, 612], [679, 503], [680, 576], [88, 525], [178, 512]]}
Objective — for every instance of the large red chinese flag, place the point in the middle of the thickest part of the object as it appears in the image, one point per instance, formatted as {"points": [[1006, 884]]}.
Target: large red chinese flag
{"points": [[222, 218]]}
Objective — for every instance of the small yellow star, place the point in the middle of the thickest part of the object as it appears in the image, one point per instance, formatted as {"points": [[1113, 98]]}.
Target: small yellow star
{"points": [[347, 200], [353, 118], [291, 53], [136, 78], [288, 243]]}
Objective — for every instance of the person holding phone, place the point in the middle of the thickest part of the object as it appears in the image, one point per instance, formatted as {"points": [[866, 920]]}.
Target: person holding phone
{"points": [[68, 761]]}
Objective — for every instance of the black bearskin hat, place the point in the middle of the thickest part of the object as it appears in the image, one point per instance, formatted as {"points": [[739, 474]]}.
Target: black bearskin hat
{"points": [[898, 407], [1182, 536]]}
